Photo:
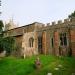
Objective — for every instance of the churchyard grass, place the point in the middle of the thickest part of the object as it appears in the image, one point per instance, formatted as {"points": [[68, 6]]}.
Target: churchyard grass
{"points": [[49, 64]]}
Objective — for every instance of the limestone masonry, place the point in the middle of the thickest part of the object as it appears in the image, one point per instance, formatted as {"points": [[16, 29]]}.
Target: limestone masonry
{"points": [[37, 38]]}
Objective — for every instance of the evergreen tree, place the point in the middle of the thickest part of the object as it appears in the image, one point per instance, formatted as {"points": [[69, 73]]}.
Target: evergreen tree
{"points": [[72, 15], [1, 35], [1, 26]]}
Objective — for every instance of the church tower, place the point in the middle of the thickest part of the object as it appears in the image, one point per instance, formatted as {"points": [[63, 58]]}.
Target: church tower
{"points": [[10, 25]]}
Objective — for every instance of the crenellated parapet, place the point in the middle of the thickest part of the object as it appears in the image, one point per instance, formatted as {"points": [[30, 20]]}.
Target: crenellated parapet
{"points": [[53, 23], [72, 19], [59, 22], [48, 24], [66, 20]]}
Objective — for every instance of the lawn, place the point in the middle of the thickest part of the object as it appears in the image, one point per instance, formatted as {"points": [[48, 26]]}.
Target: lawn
{"points": [[17, 66]]}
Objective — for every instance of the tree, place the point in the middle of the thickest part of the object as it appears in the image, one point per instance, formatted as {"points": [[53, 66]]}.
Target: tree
{"points": [[72, 15], [1, 35], [1, 25], [6, 43]]}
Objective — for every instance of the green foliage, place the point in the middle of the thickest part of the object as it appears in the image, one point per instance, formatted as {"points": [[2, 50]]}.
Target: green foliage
{"points": [[72, 15], [14, 66], [1, 25], [1, 35], [6, 43]]}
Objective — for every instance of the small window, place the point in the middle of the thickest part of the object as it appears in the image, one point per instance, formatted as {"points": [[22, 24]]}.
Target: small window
{"points": [[39, 42], [31, 42], [52, 42]]}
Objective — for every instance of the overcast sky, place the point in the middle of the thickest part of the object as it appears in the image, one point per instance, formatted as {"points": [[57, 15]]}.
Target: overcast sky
{"points": [[29, 11]]}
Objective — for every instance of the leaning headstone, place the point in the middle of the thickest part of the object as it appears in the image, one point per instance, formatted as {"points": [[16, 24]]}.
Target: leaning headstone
{"points": [[49, 74]]}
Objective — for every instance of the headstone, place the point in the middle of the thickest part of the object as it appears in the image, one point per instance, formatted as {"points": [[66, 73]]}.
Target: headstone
{"points": [[37, 63], [56, 68], [49, 74], [73, 73], [59, 65], [3, 54], [24, 56]]}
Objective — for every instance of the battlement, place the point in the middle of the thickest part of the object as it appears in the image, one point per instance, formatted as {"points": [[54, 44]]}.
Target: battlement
{"points": [[59, 21], [72, 19], [48, 24], [68, 20], [53, 23]]}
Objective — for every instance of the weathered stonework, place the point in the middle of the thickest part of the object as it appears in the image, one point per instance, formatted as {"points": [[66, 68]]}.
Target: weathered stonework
{"points": [[56, 39]]}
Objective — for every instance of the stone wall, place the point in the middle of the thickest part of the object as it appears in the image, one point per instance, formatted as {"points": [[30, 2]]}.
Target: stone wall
{"points": [[72, 36], [56, 43], [17, 52], [44, 42], [50, 37], [27, 50]]}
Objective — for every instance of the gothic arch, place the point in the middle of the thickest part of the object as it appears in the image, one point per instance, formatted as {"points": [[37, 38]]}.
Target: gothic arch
{"points": [[31, 42]]}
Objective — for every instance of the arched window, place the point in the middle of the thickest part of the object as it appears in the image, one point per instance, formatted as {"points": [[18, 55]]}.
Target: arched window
{"points": [[31, 42], [40, 43], [63, 39]]}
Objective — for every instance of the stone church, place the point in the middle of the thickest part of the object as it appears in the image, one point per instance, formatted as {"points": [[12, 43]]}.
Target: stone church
{"points": [[37, 38]]}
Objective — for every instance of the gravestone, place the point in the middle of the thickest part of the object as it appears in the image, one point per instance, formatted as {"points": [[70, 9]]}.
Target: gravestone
{"points": [[49, 74], [37, 63]]}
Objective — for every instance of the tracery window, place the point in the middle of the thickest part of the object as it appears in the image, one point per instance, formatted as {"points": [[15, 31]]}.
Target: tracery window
{"points": [[63, 39]]}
